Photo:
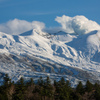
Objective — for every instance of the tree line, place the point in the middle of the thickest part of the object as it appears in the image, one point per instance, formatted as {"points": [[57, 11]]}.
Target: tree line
{"points": [[44, 90]]}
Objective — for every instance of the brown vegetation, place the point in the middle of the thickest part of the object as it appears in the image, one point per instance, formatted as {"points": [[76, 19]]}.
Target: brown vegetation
{"points": [[44, 90]]}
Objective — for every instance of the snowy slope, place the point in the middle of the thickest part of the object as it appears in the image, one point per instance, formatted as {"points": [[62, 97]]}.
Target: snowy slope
{"points": [[69, 52]]}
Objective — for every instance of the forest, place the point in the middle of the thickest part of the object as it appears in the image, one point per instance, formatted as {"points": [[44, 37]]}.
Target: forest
{"points": [[44, 90]]}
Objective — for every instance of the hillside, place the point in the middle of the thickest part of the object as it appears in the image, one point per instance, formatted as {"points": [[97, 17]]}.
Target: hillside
{"points": [[36, 53]]}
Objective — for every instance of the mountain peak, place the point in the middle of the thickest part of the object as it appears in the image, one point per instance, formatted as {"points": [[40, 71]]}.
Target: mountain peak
{"points": [[34, 32], [28, 33], [77, 51]]}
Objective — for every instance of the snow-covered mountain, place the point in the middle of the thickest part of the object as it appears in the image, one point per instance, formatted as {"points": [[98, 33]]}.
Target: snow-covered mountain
{"points": [[36, 53]]}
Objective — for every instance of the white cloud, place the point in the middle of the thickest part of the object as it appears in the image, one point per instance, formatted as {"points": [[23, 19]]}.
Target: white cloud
{"points": [[53, 29], [17, 26], [38, 25], [77, 24]]}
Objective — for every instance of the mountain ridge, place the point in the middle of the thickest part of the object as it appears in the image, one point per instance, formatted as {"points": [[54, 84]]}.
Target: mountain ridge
{"points": [[62, 49]]}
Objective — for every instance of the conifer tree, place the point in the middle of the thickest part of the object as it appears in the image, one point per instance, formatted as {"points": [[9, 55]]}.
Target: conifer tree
{"points": [[97, 93], [89, 86], [40, 82], [79, 88], [63, 90], [7, 81], [48, 88], [62, 81], [55, 83], [5, 88], [30, 82], [19, 90]]}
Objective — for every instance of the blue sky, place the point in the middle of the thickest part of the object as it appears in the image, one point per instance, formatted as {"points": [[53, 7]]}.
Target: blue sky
{"points": [[47, 10]]}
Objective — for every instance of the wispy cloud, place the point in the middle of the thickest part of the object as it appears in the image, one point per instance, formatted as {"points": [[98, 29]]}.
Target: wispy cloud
{"points": [[32, 13], [17, 26], [38, 13]]}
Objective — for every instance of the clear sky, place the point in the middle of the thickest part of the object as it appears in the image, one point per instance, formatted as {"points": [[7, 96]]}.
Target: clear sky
{"points": [[47, 10]]}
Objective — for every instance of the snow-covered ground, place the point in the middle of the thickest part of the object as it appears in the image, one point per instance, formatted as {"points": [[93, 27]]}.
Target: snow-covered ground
{"points": [[66, 50]]}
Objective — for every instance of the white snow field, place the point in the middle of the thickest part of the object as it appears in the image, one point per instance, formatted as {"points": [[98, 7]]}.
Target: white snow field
{"points": [[36, 53]]}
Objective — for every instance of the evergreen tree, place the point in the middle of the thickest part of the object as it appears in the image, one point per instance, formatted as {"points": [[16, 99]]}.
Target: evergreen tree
{"points": [[7, 81], [30, 82], [48, 88], [79, 88], [62, 81], [89, 86], [40, 82], [63, 90], [97, 91], [44, 90], [19, 90], [55, 83]]}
